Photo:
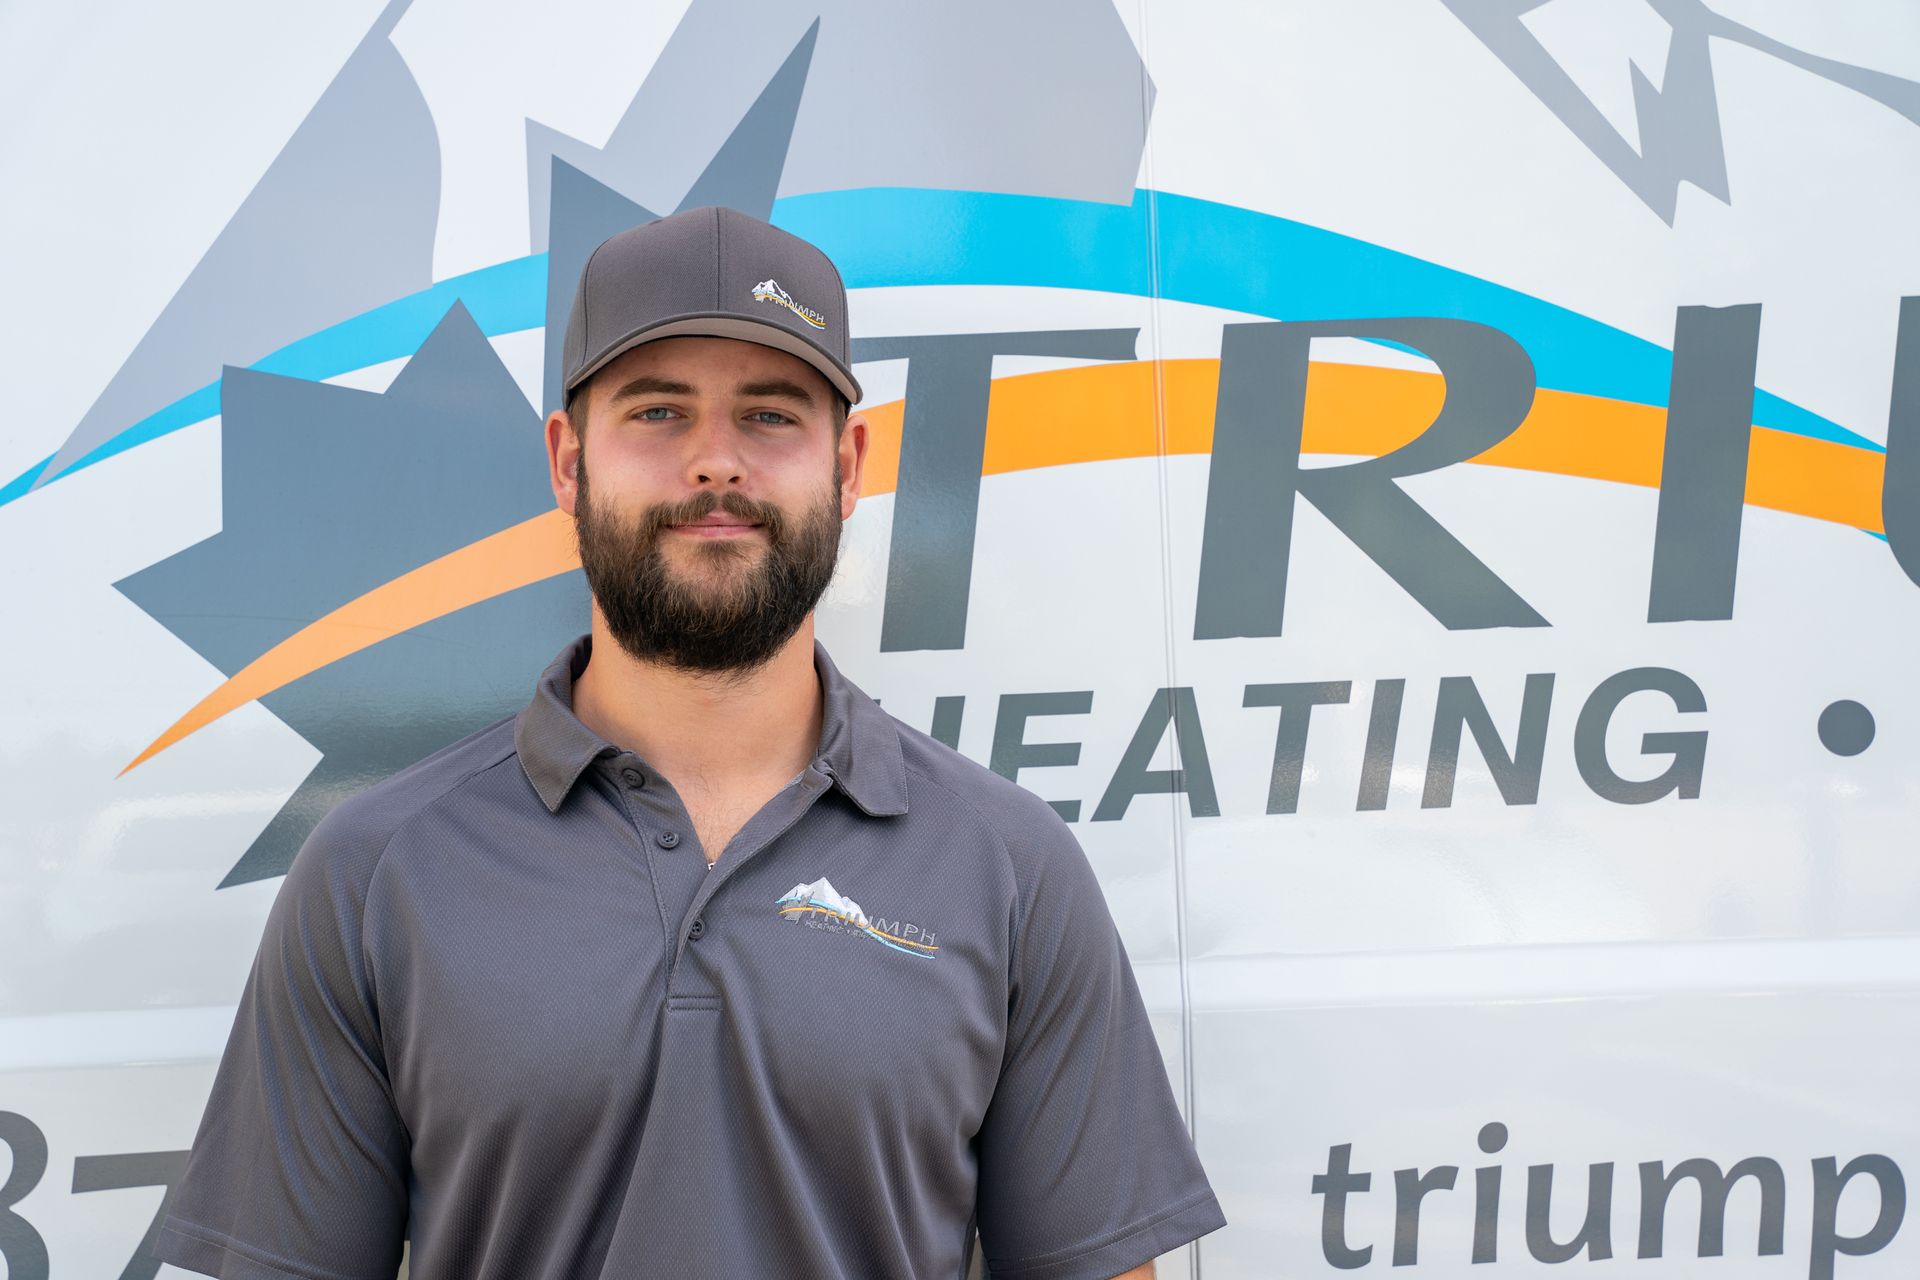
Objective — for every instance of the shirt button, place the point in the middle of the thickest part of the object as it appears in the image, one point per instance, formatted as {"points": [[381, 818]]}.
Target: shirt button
{"points": [[698, 927], [668, 839], [633, 777]]}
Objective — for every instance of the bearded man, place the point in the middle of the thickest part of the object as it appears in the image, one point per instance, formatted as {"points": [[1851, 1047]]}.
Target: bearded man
{"points": [[701, 964]]}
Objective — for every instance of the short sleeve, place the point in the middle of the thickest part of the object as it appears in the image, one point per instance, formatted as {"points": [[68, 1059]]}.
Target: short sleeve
{"points": [[299, 1168], [1086, 1168]]}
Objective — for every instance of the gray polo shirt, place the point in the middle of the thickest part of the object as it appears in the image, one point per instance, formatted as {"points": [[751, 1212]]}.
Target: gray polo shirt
{"points": [[504, 1005]]}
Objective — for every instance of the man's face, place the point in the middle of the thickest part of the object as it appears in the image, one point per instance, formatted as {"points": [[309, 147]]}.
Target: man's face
{"points": [[712, 523]]}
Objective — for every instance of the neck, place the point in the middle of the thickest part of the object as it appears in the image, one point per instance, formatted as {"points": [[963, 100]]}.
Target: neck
{"points": [[707, 729]]}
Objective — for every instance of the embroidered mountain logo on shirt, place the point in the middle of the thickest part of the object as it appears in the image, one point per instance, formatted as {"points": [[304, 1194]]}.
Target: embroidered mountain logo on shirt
{"points": [[820, 906], [770, 291]]}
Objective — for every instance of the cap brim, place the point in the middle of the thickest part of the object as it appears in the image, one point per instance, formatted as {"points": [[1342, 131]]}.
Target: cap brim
{"points": [[727, 324]]}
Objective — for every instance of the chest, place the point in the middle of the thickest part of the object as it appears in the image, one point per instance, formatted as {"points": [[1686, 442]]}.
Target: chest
{"points": [[717, 814], [846, 971]]}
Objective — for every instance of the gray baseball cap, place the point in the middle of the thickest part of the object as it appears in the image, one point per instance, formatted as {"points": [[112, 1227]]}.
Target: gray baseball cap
{"points": [[715, 272]]}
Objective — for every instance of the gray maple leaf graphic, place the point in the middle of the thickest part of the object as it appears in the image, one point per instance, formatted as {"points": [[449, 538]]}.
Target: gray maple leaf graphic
{"points": [[328, 492]]}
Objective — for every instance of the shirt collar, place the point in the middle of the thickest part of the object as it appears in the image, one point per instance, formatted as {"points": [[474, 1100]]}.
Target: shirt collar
{"points": [[859, 746]]}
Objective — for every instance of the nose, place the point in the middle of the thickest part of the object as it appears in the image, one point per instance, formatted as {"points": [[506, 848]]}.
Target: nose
{"points": [[713, 453]]}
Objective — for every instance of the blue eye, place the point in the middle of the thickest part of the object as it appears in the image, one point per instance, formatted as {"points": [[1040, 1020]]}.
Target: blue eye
{"points": [[765, 415], [658, 408]]}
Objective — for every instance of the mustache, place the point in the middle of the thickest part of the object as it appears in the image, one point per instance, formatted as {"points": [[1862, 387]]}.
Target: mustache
{"points": [[705, 503]]}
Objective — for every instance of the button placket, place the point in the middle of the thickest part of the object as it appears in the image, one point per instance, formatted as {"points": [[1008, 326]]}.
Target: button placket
{"points": [[654, 809], [814, 782]]}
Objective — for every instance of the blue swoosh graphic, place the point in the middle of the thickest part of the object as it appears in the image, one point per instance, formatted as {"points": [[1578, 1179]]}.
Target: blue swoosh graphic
{"points": [[1208, 253]]}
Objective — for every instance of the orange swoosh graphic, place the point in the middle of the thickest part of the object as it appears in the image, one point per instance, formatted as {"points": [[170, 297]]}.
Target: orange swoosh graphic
{"points": [[515, 557], [1102, 413]]}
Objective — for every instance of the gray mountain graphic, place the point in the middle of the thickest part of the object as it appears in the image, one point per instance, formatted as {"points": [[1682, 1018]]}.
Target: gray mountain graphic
{"points": [[1680, 134], [588, 204], [1045, 100], [341, 222]]}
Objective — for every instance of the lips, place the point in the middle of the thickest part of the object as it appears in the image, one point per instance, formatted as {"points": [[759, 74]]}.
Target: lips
{"points": [[716, 526]]}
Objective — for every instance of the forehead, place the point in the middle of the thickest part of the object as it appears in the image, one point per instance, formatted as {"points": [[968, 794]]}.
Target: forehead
{"points": [[711, 367]]}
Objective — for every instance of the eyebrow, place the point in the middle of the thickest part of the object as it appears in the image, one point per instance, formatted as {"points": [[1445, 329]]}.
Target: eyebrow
{"points": [[780, 387], [648, 384]]}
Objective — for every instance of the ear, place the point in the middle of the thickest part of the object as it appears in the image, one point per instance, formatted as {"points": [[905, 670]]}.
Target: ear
{"points": [[853, 462], [563, 459]]}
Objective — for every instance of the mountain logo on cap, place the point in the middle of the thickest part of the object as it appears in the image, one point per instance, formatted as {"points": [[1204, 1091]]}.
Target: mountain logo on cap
{"points": [[770, 291]]}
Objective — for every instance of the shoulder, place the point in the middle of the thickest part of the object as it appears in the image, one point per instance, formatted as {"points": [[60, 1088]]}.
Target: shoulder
{"points": [[1007, 808], [952, 789], [1061, 929]]}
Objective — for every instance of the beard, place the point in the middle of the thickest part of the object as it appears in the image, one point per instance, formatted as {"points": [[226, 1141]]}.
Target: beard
{"points": [[733, 602]]}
